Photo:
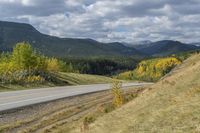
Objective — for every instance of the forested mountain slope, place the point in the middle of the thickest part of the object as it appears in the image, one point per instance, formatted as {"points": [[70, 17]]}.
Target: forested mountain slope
{"points": [[12, 33]]}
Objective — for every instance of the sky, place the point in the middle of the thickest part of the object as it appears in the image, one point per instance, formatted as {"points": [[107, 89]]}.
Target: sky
{"points": [[109, 20]]}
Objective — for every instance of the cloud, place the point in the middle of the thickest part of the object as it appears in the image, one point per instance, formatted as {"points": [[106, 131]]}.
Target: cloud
{"points": [[109, 20]]}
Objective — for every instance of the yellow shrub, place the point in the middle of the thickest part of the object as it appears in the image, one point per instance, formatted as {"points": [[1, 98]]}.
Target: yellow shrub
{"points": [[34, 79], [53, 65], [117, 94]]}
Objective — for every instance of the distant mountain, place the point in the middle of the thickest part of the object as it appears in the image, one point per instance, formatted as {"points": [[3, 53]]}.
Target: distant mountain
{"points": [[196, 44], [11, 33], [137, 44], [165, 47]]}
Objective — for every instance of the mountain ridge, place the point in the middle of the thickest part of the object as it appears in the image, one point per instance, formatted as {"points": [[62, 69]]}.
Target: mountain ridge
{"points": [[13, 33], [165, 48]]}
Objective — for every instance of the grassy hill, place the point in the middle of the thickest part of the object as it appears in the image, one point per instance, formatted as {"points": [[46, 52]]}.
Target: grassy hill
{"points": [[80, 79], [165, 47], [12, 33], [170, 106], [60, 79]]}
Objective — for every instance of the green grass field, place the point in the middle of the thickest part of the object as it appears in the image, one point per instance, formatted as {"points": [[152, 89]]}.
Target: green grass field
{"points": [[170, 106]]}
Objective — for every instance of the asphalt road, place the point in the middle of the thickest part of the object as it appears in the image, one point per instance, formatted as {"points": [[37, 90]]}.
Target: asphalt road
{"points": [[16, 99]]}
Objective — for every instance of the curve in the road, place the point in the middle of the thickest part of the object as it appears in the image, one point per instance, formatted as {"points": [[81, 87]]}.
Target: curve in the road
{"points": [[16, 99]]}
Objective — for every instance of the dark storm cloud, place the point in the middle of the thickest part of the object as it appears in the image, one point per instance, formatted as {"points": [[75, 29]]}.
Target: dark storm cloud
{"points": [[109, 20]]}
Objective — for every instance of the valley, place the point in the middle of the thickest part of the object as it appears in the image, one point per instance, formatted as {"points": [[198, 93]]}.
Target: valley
{"points": [[75, 85]]}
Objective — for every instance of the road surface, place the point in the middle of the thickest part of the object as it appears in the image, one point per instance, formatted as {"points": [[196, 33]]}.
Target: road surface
{"points": [[16, 99]]}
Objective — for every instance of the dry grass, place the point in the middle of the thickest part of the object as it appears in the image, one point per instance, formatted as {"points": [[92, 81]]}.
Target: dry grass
{"points": [[172, 106]]}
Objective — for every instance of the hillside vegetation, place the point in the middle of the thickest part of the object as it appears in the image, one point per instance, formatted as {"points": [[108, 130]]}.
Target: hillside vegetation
{"points": [[25, 68], [170, 106], [24, 65], [151, 70]]}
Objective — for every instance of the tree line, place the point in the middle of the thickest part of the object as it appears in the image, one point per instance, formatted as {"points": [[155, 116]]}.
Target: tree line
{"points": [[102, 65]]}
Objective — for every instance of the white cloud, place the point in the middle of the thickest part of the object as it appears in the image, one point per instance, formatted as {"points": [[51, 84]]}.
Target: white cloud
{"points": [[27, 3], [109, 20]]}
